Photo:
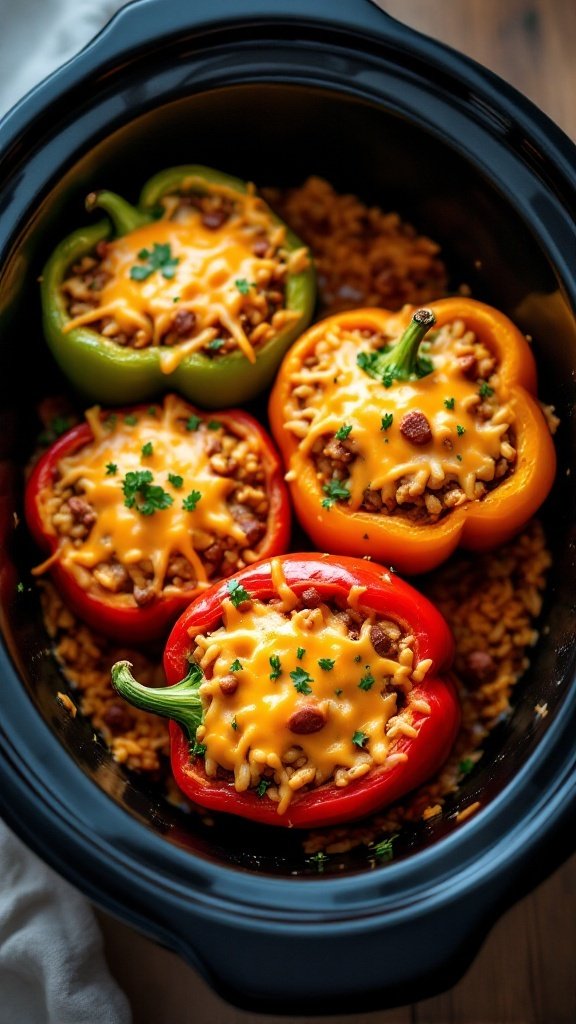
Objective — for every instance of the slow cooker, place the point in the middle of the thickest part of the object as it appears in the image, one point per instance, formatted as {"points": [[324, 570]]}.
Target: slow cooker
{"points": [[273, 92]]}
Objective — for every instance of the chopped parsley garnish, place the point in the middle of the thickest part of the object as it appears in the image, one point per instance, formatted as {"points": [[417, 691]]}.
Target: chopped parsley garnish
{"points": [[449, 403], [131, 420], [20, 587], [215, 344], [243, 285], [191, 500], [384, 850], [301, 680], [343, 432], [237, 593], [326, 663], [193, 422], [111, 468], [301, 651], [197, 749], [485, 391], [176, 298], [387, 421], [262, 786], [360, 738], [466, 766], [234, 723], [336, 492], [213, 425], [175, 480], [158, 258], [147, 449], [460, 429], [275, 666], [138, 485], [319, 859], [235, 666], [367, 681], [152, 410], [57, 426]]}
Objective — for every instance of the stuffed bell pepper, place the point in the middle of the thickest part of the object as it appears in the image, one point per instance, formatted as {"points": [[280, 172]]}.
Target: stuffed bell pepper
{"points": [[406, 434], [141, 509], [201, 288], [307, 690]]}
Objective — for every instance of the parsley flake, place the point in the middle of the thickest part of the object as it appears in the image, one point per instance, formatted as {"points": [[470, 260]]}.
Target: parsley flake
{"points": [[237, 593], [215, 344], [336, 492], [243, 286], [343, 432], [197, 749], [175, 480], [320, 859], [152, 410], [138, 484], [234, 723], [262, 786], [131, 420], [367, 681], [449, 403], [301, 651], [384, 849], [327, 664], [235, 666], [360, 738], [213, 425], [158, 258], [193, 422], [147, 449], [466, 766], [20, 587], [111, 468], [191, 500], [387, 421], [275, 666], [301, 680], [460, 429], [485, 391]]}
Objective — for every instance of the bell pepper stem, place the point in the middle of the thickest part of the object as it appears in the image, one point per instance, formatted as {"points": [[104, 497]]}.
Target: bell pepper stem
{"points": [[180, 702], [402, 361], [124, 216]]}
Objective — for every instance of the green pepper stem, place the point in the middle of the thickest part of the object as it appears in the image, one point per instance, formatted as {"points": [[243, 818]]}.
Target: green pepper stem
{"points": [[124, 216], [401, 361], [181, 702]]}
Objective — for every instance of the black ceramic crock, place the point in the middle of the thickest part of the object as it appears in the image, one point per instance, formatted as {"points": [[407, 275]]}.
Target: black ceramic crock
{"points": [[274, 90]]}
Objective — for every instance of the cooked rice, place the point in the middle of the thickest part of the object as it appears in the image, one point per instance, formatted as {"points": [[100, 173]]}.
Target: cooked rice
{"points": [[364, 257]]}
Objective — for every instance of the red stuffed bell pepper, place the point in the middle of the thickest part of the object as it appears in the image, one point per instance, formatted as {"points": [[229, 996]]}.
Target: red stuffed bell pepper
{"points": [[141, 509], [309, 690]]}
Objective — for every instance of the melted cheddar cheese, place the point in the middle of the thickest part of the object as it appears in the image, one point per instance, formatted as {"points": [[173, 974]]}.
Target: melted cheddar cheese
{"points": [[125, 534], [464, 447], [210, 262], [355, 689]]}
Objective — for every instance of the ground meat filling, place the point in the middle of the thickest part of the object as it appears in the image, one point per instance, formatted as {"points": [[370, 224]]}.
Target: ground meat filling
{"points": [[230, 456], [417, 496], [263, 310], [364, 689]]}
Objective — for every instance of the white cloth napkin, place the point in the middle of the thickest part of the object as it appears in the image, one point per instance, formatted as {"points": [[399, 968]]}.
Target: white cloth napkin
{"points": [[52, 968]]}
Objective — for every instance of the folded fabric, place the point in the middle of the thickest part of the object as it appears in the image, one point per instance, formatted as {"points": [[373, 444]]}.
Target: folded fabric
{"points": [[52, 968]]}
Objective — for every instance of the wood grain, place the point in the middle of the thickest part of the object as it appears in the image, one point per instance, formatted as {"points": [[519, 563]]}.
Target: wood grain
{"points": [[525, 972]]}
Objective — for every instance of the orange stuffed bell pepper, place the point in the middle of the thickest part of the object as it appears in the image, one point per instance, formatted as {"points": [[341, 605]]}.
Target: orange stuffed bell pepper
{"points": [[403, 448]]}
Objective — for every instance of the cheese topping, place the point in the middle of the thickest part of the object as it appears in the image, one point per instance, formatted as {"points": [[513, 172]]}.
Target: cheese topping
{"points": [[216, 276], [161, 444], [464, 447], [286, 660]]}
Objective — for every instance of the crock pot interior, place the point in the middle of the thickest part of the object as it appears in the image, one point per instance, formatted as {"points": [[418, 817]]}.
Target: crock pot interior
{"points": [[279, 134]]}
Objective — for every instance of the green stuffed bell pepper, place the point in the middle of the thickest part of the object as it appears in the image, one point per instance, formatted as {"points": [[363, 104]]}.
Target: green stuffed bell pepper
{"points": [[201, 289]]}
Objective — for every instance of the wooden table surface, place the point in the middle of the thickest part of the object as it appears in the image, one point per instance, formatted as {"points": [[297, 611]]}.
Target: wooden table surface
{"points": [[525, 974]]}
